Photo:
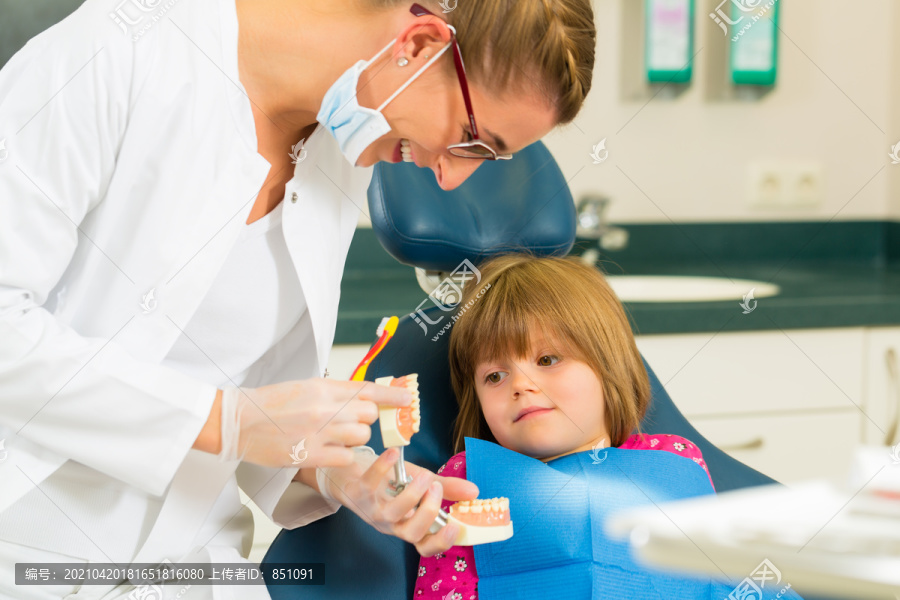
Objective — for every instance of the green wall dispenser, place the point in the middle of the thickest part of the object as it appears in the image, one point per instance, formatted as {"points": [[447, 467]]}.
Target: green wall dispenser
{"points": [[754, 45], [669, 40]]}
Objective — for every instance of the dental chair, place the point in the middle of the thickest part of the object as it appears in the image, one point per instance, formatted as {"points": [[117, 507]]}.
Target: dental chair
{"points": [[522, 203]]}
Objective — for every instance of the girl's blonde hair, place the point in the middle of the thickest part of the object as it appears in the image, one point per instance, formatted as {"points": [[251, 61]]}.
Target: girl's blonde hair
{"points": [[569, 302], [546, 42]]}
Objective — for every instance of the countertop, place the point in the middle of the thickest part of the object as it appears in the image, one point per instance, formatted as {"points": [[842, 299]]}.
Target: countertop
{"points": [[830, 275]]}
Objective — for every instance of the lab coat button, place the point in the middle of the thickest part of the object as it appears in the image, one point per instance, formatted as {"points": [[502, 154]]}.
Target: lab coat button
{"points": [[294, 198]]}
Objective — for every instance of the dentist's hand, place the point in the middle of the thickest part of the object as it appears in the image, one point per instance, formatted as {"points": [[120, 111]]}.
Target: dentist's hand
{"points": [[314, 421], [364, 490]]}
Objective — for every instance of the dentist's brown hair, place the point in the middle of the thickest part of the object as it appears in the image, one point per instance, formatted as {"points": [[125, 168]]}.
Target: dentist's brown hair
{"points": [[549, 43], [570, 303]]}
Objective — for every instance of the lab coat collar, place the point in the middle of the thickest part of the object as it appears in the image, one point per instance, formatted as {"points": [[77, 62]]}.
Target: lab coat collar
{"points": [[322, 206]]}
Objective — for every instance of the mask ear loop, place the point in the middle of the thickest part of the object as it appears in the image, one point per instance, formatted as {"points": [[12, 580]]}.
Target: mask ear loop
{"points": [[380, 52], [413, 78]]}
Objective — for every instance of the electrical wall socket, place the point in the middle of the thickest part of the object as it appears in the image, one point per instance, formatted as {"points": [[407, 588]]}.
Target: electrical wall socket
{"points": [[786, 184]]}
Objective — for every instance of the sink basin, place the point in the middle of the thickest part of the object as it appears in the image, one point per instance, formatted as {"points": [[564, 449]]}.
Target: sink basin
{"points": [[677, 288]]}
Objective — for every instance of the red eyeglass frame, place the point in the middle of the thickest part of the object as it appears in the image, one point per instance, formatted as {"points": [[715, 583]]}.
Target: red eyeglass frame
{"points": [[476, 142]]}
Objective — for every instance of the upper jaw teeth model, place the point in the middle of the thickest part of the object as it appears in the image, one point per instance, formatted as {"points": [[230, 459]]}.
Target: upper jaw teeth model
{"points": [[406, 150], [479, 521], [399, 424]]}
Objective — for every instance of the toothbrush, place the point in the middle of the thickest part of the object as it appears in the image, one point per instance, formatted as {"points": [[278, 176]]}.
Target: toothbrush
{"points": [[386, 330]]}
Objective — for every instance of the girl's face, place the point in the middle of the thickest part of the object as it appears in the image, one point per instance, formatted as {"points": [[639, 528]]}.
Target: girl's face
{"points": [[545, 405]]}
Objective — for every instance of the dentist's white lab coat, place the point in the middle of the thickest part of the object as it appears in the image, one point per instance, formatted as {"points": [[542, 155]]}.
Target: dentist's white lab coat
{"points": [[131, 168]]}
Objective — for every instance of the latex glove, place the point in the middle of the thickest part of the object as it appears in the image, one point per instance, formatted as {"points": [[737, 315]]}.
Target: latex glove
{"points": [[363, 488], [311, 421]]}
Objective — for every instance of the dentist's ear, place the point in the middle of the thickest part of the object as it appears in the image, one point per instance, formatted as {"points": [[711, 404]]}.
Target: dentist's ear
{"points": [[422, 37]]}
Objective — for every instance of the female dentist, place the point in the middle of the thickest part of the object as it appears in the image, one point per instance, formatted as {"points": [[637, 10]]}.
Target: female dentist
{"points": [[171, 256]]}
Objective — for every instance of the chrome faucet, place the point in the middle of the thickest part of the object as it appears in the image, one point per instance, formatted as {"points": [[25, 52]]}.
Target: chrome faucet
{"points": [[591, 224]]}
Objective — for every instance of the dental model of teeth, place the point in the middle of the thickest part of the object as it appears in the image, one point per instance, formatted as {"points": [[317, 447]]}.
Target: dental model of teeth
{"points": [[399, 424], [405, 150], [481, 521]]}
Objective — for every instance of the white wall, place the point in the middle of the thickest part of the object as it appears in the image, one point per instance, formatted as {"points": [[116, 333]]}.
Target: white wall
{"points": [[893, 22], [690, 154], [836, 103]]}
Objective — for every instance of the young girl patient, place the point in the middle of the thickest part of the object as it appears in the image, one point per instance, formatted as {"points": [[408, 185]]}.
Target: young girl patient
{"points": [[542, 363]]}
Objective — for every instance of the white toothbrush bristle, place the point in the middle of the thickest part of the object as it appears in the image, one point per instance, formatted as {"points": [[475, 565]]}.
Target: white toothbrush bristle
{"points": [[380, 331]]}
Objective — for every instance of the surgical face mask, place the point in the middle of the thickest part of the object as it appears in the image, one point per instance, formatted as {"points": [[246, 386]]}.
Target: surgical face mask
{"points": [[356, 127]]}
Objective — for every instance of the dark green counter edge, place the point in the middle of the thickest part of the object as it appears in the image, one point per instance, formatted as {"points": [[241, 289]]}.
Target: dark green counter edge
{"points": [[832, 274]]}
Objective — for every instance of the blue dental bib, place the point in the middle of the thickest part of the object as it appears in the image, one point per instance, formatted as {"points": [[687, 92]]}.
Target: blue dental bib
{"points": [[559, 549]]}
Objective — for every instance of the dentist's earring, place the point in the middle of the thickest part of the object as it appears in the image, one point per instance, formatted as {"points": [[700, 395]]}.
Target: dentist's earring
{"points": [[403, 61]]}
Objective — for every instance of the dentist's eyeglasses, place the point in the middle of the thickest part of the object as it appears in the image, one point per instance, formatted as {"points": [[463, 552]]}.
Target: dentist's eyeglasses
{"points": [[476, 147]]}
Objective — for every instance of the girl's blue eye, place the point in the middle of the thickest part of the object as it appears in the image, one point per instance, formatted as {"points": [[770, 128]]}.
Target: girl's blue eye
{"points": [[548, 360]]}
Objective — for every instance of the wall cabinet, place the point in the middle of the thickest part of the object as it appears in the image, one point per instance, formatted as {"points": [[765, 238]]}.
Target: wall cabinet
{"points": [[792, 404]]}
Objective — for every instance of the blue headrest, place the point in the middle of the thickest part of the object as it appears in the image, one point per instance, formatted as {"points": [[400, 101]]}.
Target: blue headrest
{"points": [[523, 203]]}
